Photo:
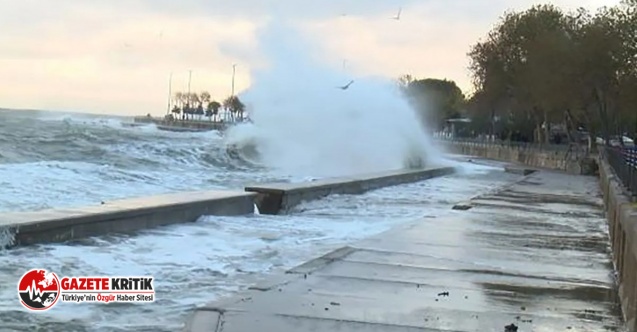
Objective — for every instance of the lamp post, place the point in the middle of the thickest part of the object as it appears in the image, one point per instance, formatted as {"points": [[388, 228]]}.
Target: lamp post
{"points": [[170, 88], [189, 79], [234, 69]]}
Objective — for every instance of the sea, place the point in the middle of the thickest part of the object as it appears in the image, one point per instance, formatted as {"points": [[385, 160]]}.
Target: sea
{"points": [[55, 160]]}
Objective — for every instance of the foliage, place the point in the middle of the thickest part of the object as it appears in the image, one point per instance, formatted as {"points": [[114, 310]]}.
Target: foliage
{"points": [[213, 109], [202, 104], [434, 100], [543, 66], [234, 106]]}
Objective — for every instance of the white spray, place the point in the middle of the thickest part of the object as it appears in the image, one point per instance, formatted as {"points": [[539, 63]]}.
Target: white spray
{"points": [[304, 124]]}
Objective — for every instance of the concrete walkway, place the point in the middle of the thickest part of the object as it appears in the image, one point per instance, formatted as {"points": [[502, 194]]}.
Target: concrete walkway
{"points": [[535, 255]]}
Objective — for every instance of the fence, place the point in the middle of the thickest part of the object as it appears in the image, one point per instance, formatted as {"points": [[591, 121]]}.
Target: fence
{"points": [[624, 163]]}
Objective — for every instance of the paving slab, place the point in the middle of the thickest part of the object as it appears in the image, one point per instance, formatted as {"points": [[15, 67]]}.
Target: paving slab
{"points": [[535, 254]]}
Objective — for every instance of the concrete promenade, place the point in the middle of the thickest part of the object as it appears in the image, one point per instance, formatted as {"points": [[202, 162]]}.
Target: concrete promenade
{"points": [[534, 254]]}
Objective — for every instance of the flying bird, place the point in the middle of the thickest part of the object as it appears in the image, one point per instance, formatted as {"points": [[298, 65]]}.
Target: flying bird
{"points": [[345, 87], [397, 17]]}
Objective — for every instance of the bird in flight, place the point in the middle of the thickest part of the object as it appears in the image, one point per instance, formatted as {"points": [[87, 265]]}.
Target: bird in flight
{"points": [[397, 17], [346, 86]]}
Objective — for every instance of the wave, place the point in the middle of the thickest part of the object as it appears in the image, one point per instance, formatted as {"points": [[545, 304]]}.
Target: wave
{"points": [[81, 160], [248, 143], [242, 143], [105, 140]]}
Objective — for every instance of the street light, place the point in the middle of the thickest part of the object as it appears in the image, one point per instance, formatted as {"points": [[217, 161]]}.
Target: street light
{"points": [[234, 67], [189, 79], [170, 88]]}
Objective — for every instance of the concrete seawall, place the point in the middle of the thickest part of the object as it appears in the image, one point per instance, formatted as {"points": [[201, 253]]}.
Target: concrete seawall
{"points": [[622, 221], [278, 198], [122, 216], [570, 161], [130, 215]]}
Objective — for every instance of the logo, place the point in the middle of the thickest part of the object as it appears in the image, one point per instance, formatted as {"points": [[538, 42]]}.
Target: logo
{"points": [[40, 289]]}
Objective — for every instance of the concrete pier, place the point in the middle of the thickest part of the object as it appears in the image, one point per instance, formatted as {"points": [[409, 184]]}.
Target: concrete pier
{"points": [[275, 198], [535, 255], [122, 216], [181, 125]]}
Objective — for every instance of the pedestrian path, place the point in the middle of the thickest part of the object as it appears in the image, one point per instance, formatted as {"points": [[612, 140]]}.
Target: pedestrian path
{"points": [[533, 256]]}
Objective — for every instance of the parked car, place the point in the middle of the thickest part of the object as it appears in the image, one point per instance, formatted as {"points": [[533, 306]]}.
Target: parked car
{"points": [[616, 141]]}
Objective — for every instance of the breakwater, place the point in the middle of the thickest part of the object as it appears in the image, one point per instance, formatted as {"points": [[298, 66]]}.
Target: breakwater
{"points": [[129, 215], [181, 125], [275, 198]]}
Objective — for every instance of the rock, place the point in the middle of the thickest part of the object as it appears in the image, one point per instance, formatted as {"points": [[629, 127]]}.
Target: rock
{"points": [[462, 206], [511, 328]]}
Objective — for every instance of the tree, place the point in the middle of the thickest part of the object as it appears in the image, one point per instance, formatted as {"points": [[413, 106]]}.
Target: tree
{"points": [[233, 105], [213, 109], [179, 98], [518, 62], [542, 66], [200, 105], [434, 100], [204, 98]]}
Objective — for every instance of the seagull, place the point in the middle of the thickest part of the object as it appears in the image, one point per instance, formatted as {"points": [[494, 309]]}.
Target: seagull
{"points": [[397, 17], [345, 87]]}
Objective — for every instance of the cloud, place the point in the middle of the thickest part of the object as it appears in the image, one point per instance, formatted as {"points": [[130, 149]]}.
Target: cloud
{"points": [[115, 56], [431, 39], [103, 59], [281, 9]]}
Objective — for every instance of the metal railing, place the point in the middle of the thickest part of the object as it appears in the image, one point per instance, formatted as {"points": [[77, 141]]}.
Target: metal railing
{"points": [[623, 161]]}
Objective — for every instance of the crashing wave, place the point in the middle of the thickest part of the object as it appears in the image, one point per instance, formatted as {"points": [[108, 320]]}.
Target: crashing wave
{"points": [[415, 157], [241, 143], [7, 237], [247, 150], [414, 161]]}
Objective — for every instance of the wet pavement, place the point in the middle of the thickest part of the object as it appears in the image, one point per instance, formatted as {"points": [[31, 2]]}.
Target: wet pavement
{"points": [[533, 256]]}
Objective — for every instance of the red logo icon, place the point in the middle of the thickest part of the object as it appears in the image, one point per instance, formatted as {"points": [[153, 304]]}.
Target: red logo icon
{"points": [[39, 290]]}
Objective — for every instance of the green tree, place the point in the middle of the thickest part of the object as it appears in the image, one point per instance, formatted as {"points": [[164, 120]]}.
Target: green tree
{"points": [[434, 100], [235, 107], [213, 109], [542, 66]]}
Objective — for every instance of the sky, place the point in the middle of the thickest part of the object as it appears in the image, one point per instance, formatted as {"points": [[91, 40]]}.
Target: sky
{"points": [[117, 56]]}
